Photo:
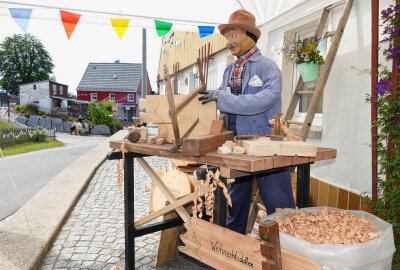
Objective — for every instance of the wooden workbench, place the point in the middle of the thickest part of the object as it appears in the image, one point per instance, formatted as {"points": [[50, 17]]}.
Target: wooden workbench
{"points": [[230, 166]]}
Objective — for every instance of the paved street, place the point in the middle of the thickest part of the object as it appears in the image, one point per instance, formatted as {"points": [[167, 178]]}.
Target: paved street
{"points": [[32, 171], [93, 236]]}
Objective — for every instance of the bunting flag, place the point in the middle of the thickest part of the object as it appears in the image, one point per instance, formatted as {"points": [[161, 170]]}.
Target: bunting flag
{"points": [[162, 27], [206, 30], [69, 21], [120, 26], [21, 17]]}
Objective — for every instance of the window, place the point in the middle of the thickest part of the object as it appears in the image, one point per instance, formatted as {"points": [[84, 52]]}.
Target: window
{"points": [[54, 89], [60, 89], [34, 87], [93, 96], [304, 102], [112, 97], [130, 97]]}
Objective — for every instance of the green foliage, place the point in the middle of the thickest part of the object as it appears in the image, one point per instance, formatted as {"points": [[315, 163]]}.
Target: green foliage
{"points": [[23, 59], [19, 108], [100, 113], [5, 125], [387, 103], [39, 136], [31, 108]]}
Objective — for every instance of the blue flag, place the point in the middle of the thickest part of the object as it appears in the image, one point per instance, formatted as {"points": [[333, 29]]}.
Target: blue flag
{"points": [[206, 31], [21, 17]]}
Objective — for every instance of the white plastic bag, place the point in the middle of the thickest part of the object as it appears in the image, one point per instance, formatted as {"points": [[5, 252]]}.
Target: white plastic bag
{"points": [[373, 255]]}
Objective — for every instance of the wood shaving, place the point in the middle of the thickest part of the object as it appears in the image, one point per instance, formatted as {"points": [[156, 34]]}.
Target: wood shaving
{"points": [[208, 187], [328, 226]]}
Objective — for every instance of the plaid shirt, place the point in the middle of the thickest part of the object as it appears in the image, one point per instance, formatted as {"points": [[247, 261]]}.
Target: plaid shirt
{"points": [[237, 72]]}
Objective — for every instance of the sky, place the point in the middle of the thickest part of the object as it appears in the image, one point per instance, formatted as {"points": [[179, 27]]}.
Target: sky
{"points": [[94, 39]]}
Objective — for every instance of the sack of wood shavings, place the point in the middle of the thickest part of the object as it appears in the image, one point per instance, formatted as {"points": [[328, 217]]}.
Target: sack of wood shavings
{"points": [[337, 239]]}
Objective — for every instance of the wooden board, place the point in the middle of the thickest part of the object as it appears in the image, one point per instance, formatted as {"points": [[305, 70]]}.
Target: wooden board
{"points": [[263, 147], [157, 111], [176, 181], [224, 249], [243, 163], [198, 146]]}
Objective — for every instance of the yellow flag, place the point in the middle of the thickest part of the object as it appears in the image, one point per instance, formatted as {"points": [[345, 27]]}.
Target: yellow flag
{"points": [[120, 26]]}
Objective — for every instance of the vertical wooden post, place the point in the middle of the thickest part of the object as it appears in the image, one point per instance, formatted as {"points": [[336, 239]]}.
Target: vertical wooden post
{"points": [[270, 246], [374, 79]]}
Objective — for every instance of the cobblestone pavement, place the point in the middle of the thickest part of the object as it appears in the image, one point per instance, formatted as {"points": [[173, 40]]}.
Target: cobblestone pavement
{"points": [[93, 236]]}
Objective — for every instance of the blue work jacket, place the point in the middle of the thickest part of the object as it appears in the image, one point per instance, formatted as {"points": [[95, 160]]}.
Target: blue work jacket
{"points": [[260, 99]]}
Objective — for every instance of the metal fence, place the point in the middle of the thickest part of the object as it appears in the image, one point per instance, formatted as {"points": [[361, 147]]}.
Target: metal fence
{"points": [[9, 137]]}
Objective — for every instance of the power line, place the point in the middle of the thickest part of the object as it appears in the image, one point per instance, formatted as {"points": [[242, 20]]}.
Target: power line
{"points": [[108, 13]]}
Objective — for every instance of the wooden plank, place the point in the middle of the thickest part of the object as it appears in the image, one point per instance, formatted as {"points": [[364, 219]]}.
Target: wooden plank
{"points": [[186, 100], [171, 105], [228, 173], [198, 146], [168, 243], [167, 193], [243, 163], [216, 127]]}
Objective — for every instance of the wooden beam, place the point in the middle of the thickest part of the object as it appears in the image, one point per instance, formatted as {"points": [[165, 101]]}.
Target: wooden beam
{"points": [[198, 146], [164, 189], [189, 97], [171, 105], [170, 207]]}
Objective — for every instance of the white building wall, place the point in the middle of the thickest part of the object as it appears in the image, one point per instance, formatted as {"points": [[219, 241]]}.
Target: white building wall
{"points": [[346, 116], [39, 96]]}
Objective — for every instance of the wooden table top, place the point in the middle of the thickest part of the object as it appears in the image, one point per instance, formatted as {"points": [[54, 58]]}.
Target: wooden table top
{"points": [[244, 163]]}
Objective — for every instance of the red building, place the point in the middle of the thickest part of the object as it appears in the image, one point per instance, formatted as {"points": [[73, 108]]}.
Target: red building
{"points": [[119, 82]]}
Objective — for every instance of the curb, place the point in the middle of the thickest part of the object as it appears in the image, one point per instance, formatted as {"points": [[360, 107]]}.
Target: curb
{"points": [[26, 236]]}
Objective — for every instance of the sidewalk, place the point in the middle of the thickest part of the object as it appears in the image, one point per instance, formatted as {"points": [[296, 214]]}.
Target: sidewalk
{"points": [[93, 236]]}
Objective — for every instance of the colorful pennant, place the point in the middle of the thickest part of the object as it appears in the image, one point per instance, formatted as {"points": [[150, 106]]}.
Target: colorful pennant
{"points": [[162, 27], [21, 17], [69, 20], [120, 26], [206, 30]]}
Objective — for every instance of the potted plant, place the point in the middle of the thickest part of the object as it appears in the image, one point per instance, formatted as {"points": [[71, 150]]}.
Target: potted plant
{"points": [[306, 55]]}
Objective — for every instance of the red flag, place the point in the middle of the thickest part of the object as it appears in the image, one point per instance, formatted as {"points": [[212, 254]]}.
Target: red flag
{"points": [[70, 20]]}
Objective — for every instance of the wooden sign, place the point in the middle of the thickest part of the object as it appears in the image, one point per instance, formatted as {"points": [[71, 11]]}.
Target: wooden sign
{"points": [[224, 249]]}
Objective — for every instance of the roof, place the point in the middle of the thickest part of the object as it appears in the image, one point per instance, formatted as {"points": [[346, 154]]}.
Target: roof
{"points": [[71, 99], [42, 82], [111, 77]]}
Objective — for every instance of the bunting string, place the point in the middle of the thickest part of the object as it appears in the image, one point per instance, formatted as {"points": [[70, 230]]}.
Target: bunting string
{"points": [[70, 19]]}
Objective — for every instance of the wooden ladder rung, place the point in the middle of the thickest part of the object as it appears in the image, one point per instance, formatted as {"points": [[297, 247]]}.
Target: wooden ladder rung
{"points": [[305, 92], [330, 34], [295, 122], [337, 4]]}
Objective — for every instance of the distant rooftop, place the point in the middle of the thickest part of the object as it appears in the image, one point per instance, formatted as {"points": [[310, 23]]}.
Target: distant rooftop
{"points": [[111, 76]]}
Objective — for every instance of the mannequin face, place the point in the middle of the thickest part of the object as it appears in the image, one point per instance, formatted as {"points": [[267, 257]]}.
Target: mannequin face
{"points": [[238, 42]]}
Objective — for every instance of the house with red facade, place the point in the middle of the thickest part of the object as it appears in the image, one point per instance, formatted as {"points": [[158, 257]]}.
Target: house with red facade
{"points": [[118, 82]]}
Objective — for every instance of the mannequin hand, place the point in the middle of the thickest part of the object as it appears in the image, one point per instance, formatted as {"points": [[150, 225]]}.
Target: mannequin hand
{"points": [[208, 95]]}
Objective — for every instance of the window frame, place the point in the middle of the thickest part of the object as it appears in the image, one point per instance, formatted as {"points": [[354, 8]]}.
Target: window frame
{"points": [[111, 95], [93, 96], [132, 99]]}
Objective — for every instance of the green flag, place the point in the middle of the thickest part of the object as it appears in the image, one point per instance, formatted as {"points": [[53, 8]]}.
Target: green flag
{"points": [[162, 27]]}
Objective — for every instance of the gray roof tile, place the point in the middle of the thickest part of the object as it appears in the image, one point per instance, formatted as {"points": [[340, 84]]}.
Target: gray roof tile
{"points": [[111, 77]]}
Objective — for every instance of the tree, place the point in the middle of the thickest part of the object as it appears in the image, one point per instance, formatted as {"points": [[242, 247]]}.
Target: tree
{"points": [[23, 59]]}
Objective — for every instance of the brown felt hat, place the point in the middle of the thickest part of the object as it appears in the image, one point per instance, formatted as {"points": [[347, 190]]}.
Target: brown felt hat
{"points": [[241, 19]]}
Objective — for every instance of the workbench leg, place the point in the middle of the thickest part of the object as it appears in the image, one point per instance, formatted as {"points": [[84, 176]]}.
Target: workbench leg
{"points": [[219, 215], [129, 212], [303, 186]]}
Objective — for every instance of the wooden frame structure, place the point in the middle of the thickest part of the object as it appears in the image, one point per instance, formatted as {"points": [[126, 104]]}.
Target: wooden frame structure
{"points": [[230, 166]]}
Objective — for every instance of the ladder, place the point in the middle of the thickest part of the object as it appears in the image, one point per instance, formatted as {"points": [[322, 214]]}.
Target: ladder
{"points": [[316, 94], [326, 68]]}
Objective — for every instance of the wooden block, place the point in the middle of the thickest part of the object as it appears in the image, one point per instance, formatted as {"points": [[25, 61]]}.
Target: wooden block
{"points": [[306, 150], [151, 141], [287, 148], [160, 141], [238, 150], [264, 150], [229, 144], [142, 104], [225, 150], [250, 145], [216, 127], [198, 146]]}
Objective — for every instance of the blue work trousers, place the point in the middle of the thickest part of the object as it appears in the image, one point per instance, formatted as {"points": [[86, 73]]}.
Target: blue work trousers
{"points": [[275, 190]]}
